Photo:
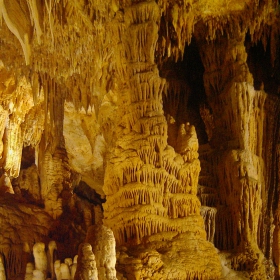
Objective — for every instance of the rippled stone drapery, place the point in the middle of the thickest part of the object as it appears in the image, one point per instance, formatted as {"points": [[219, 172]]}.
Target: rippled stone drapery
{"points": [[93, 70], [151, 190], [240, 123]]}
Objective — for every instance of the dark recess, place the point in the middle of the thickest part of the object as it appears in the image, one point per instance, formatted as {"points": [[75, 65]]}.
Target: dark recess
{"points": [[266, 75]]}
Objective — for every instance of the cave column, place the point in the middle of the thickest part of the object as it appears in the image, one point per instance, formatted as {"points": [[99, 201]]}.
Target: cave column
{"points": [[141, 135], [238, 113], [276, 233], [150, 189]]}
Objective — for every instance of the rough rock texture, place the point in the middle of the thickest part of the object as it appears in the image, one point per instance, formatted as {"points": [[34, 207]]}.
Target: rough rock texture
{"points": [[149, 130], [2, 269], [86, 267], [150, 190], [103, 246]]}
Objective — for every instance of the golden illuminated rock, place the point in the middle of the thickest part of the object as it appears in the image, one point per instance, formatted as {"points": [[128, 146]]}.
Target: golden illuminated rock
{"points": [[2, 269], [103, 246], [86, 267], [148, 129]]}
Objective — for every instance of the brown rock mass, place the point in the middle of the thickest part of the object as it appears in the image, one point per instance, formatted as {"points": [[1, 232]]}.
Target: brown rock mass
{"points": [[139, 139]]}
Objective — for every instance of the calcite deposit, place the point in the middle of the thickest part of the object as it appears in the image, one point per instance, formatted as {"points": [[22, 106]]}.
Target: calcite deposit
{"points": [[139, 139]]}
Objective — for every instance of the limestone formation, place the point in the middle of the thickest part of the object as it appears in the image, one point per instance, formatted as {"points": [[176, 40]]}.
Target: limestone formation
{"points": [[57, 269], [103, 245], [86, 265], [143, 136], [50, 254], [74, 267], [38, 275], [29, 271], [47, 267], [2, 269], [40, 257], [151, 189], [65, 271]]}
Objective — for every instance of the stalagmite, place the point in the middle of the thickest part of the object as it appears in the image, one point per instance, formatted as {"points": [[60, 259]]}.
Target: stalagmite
{"points": [[29, 271], [21, 31], [74, 267], [103, 245], [5, 184], [40, 257], [86, 266], [148, 129], [38, 275], [57, 270], [2, 269], [65, 271], [68, 261], [50, 254]]}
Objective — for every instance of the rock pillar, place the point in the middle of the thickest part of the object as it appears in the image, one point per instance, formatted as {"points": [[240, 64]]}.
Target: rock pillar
{"points": [[150, 189], [239, 125]]}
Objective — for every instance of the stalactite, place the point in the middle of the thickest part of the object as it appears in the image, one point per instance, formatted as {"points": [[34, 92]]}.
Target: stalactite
{"points": [[224, 228], [207, 117], [35, 13], [57, 269], [17, 19], [207, 195], [209, 215], [12, 257], [85, 51]]}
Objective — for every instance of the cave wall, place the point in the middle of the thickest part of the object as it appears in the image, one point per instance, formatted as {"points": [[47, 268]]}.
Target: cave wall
{"points": [[158, 120]]}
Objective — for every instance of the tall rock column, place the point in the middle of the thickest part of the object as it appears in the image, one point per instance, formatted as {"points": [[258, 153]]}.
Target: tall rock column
{"points": [[276, 233], [150, 189], [54, 167], [239, 124]]}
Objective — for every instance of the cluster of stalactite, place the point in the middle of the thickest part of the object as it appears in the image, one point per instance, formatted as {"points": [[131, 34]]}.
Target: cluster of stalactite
{"points": [[43, 28], [101, 56]]}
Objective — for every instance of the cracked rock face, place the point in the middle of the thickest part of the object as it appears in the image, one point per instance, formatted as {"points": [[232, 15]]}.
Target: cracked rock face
{"points": [[139, 139]]}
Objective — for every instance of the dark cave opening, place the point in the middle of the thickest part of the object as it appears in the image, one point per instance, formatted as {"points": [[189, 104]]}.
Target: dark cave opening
{"points": [[185, 91], [264, 68], [194, 73], [28, 157]]}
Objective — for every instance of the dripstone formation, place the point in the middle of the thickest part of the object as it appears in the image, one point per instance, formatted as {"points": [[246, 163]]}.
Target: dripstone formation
{"points": [[139, 139]]}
